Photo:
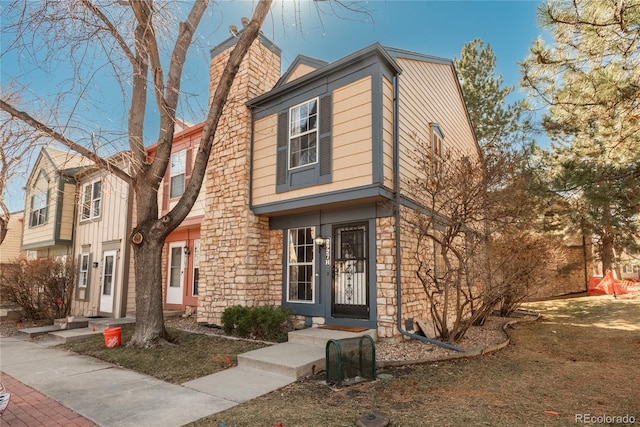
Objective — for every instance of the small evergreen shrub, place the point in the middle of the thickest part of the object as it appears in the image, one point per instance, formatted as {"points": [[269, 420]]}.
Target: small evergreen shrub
{"points": [[269, 323]]}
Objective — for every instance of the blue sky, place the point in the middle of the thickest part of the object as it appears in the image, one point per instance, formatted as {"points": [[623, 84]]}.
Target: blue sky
{"points": [[438, 28]]}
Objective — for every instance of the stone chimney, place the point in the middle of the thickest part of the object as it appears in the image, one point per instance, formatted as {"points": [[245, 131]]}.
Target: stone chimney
{"points": [[235, 256]]}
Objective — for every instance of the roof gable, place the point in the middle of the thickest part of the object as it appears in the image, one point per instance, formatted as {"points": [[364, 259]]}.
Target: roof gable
{"points": [[300, 66], [375, 50], [58, 161]]}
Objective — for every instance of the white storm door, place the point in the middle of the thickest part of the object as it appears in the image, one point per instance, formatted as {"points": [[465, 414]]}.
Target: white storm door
{"points": [[108, 281], [175, 283]]}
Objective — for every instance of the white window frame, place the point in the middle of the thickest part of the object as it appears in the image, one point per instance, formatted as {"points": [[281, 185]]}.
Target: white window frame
{"points": [[437, 148], [83, 280], [292, 261], [300, 132], [91, 204], [39, 211], [178, 166]]}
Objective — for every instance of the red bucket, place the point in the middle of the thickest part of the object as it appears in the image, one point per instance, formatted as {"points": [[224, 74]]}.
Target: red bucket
{"points": [[112, 337]]}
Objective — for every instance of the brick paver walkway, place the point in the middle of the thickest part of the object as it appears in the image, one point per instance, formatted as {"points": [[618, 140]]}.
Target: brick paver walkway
{"points": [[29, 408]]}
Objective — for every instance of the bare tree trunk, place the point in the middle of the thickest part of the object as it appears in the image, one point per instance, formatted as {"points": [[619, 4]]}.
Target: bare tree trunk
{"points": [[4, 227], [147, 241]]}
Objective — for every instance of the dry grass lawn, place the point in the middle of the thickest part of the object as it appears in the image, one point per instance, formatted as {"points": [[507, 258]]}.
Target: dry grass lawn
{"points": [[581, 357]]}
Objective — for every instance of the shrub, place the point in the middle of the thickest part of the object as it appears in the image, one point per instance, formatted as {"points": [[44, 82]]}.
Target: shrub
{"points": [[42, 288], [266, 322]]}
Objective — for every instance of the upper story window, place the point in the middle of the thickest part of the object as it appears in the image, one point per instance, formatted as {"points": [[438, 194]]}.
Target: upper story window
{"points": [[91, 200], [38, 214], [303, 134], [177, 174], [303, 156], [437, 149]]}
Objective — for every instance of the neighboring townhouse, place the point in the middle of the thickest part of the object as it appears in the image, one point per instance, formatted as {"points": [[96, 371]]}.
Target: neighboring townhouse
{"points": [[629, 261], [105, 285], [10, 246], [307, 179], [50, 204], [182, 252]]}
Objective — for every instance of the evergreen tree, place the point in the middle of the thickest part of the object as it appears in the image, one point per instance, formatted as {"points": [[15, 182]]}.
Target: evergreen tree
{"points": [[588, 80]]}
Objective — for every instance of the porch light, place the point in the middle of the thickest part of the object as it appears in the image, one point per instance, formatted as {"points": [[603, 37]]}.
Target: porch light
{"points": [[186, 250], [320, 241], [95, 265]]}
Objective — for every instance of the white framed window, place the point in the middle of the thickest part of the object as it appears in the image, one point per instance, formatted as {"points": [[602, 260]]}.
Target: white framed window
{"points": [[177, 173], [38, 215], [91, 200], [303, 134], [300, 264], [437, 149], [83, 279]]}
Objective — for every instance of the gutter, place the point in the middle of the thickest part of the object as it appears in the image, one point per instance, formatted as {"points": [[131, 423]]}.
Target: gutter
{"points": [[396, 208]]}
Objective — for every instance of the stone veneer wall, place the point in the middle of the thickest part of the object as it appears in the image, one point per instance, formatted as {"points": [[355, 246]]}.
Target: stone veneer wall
{"points": [[414, 303], [386, 276], [238, 249]]}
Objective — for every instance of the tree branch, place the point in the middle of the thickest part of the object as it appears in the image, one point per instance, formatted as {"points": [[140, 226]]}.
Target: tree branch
{"points": [[46, 130]]}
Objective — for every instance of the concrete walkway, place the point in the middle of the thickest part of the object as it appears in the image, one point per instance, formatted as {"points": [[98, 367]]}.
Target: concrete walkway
{"points": [[103, 393], [31, 408], [112, 396]]}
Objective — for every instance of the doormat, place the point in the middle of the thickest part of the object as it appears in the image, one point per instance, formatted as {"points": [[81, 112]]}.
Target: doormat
{"points": [[344, 328]]}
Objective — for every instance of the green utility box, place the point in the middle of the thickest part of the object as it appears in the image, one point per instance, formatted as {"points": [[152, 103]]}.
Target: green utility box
{"points": [[350, 360]]}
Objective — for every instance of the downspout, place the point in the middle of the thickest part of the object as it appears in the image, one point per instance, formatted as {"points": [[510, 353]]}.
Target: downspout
{"points": [[396, 207]]}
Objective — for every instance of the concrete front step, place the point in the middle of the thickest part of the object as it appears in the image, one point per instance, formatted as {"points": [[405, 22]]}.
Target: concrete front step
{"points": [[37, 331], [319, 336], [302, 355], [64, 331], [71, 322], [288, 359], [68, 335]]}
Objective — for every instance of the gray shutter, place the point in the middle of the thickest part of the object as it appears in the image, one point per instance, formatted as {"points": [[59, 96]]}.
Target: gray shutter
{"points": [[325, 137], [283, 139], [89, 270], [46, 209]]}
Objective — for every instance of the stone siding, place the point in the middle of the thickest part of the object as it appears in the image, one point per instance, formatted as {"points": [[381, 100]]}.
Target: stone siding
{"points": [[237, 267]]}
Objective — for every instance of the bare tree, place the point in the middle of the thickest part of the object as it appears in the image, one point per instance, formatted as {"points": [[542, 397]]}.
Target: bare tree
{"points": [[16, 143], [136, 30], [451, 236], [478, 248]]}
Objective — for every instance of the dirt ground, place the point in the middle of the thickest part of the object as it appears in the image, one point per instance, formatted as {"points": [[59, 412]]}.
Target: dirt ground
{"points": [[578, 364]]}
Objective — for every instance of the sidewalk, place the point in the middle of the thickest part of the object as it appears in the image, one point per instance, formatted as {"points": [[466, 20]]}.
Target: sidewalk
{"points": [[100, 392], [33, 409]]}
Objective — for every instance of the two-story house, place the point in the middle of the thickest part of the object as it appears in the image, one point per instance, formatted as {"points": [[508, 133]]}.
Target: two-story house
{"points": [[306, 184], [105, 286], [50, 203], [10, 246], [182, 247]]}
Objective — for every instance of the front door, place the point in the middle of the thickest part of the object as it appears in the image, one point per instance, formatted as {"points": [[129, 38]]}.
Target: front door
{"points": [[108, 281], [350, 289], [175, 283]]}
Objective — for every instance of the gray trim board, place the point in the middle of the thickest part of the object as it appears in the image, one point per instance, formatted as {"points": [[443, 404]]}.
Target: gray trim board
{"points": [[373, 191], [374, 50], [266, 42]]}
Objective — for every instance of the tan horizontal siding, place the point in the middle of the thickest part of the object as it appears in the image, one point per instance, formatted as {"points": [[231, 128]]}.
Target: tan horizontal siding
{"points": [[351, 147], [299, 71], [429, 94]]}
